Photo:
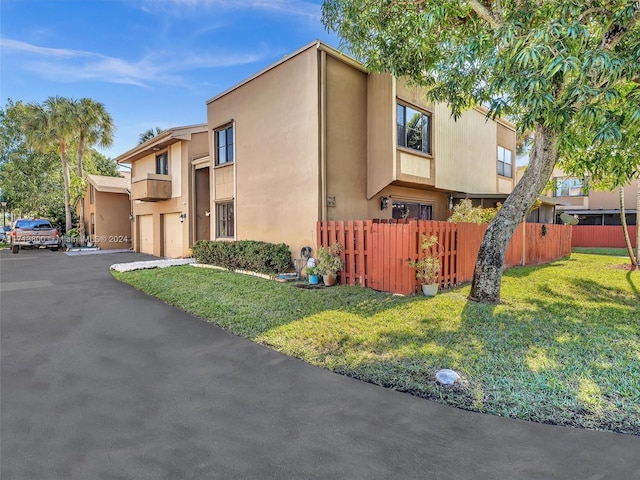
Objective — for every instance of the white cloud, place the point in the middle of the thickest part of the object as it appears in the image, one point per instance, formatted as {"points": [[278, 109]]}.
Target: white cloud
{"points": [[297, 8], [159, 67], [8, 44]]}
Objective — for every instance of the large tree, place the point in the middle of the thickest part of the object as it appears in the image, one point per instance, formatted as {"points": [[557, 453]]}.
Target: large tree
{"points": [[554, 66], [99, 164], [92, 125], [31, 181], [609, 164], [49, 127]]}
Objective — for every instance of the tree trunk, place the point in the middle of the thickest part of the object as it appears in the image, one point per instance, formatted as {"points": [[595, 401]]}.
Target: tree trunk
{"points": [[625, 229], [67, 185], [83, 228], [487, 275]]}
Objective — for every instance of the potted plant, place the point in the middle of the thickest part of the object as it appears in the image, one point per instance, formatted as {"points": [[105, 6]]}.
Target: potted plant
{"points": [[428, 267], [329, 263], [313, 276]]}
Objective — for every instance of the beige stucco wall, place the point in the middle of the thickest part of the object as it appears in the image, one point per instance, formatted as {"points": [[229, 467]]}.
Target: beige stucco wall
{"points": [[465, 151], [381, 132], [112, 224], [439, 201], [180, 155], [111, 217], [276, 163], [611, 200], [346, 106]]}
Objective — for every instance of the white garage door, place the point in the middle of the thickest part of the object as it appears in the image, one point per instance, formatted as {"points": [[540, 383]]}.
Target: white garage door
{"points": [[173, 247], [145, 234]]}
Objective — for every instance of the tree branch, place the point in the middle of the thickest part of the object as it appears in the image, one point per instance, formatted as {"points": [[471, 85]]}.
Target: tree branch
{"points": [[617, 32], [484, 13]]}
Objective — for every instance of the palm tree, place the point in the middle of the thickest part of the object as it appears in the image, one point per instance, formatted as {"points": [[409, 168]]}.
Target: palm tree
{"points": [[92, 125], [149, 134], [49, 127]]}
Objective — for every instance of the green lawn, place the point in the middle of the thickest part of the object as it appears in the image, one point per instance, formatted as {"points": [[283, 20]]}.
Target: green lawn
{"points": [[562, 348], [619, 252]]}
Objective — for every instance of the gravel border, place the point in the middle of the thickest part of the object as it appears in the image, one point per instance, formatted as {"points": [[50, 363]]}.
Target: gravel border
{"points": [[162, 263]]}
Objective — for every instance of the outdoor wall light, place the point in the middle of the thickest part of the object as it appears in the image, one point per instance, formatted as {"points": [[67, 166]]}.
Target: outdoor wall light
{"points": [[384, 203], [131, 217], [182, 217]]}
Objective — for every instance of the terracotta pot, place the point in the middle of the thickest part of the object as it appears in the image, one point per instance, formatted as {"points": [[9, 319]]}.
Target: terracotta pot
{"points": [[429, 290], [329, 280]]}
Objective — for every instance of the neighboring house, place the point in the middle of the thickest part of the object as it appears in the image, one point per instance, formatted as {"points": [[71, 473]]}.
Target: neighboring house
{"points": [[546, 208], [316, 137], [170, 199], [590, 206], [106, 211]]}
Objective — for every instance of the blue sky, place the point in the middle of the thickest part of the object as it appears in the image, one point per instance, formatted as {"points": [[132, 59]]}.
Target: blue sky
{"points": [[151, 62]]}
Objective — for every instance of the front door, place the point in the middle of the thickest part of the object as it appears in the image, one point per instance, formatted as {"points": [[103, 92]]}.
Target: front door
{"points": [[203, 204]]}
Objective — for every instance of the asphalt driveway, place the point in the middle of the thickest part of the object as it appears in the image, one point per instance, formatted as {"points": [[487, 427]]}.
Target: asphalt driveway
{"points": [[99, 381]]}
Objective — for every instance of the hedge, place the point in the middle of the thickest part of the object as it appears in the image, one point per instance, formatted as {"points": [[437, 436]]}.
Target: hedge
{"points": [[251, 255]]}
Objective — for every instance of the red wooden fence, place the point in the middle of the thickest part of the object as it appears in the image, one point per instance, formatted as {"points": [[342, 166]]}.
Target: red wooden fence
{"points": [[376, 254], [602, 236]]}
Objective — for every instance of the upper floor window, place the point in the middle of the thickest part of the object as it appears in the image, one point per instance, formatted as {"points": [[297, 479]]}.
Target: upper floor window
{"points": [[162, 164], [569, 187], [92, 194], [224, 145], [414, 129], [505, 163]]}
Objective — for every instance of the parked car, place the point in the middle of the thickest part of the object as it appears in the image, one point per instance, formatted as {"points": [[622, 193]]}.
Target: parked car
{"points": [[33, 233]]}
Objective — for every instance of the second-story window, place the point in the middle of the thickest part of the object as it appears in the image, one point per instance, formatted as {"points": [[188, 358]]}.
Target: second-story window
{"points": [[569, 187], [162, 164], [92, 194], [414, 129], [224, 145], [504, 162]]}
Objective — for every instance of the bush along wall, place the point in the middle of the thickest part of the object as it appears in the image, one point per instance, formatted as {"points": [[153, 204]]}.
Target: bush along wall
{"points": [[254, 256]]}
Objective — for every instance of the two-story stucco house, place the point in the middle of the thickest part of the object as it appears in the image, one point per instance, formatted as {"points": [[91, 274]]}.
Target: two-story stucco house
{"points": [[591, 206], [107, 210], [317, 137], [170, 199]]}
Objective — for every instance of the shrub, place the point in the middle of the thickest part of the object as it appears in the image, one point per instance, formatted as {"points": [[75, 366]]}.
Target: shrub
{"points": [[465, 212], [261, 257]]}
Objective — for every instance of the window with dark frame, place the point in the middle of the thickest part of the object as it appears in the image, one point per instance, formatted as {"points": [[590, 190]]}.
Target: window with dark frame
{"points": [[92, 194], [404, 210], [570, 187], [224, 220], [162, 164], [505, 162], [414, 129], [93, 224], [224, 145]]}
